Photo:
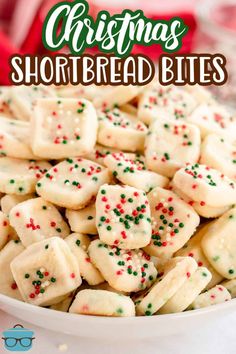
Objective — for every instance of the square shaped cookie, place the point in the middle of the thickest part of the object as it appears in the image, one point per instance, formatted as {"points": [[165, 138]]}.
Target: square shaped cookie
{"points": [[20, 176], [219, 153], [176, 271], [193, 249], [22, 99], [120, 130], [4, 229], [124, 270], [15, 139], [36, 219], [213, 118], [73, 183], [171, 145], [108, 97], [79, 244], [63, 127], [8, 285], [133, 172], [45, 272], [219, 244], [204, 184], [173, 223], [123, 216], [164, 102], [83, 220]]}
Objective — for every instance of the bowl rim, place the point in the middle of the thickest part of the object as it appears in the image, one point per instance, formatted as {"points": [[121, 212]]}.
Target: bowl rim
{"points": [[98, 320]]}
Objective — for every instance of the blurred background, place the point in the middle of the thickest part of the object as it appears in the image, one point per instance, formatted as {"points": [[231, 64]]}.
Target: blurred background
{"points": [[212, 26]]}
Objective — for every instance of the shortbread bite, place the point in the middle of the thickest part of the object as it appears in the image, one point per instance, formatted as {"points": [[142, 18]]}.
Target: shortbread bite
{"points": [[206, 185], [173, 223], [219, 244], [73, 183], [213, 118], [36, 219], [79, 244], [188, 292], [15, 139], [158, 102], [83, 220], [23, 99], [8, 201], [201, 208], [171, 145], [46, 272], [102, 303], [200, 94], [133, 172], [5, 110], [176, 272], [123, 216], [121, 130], [8, 285], [63, 128], [219, 153], [64, 305], [113, 96], [193, 249], [214, 296], [20, 176], [230, 285], [124, 270], [4, 229]]}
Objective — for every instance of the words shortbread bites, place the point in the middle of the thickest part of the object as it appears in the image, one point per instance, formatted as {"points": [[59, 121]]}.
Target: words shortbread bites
{"points": [[171, 145], [62, 128]]}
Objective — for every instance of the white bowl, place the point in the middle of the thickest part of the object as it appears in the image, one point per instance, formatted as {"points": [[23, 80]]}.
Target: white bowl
{"points": [[107, 327]]}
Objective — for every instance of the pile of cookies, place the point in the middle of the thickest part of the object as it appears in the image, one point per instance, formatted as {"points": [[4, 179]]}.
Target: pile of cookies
{"points": [[117, 201]]}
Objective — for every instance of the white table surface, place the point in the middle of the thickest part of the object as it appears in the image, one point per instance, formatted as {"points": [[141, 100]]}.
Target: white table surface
{"points": [[219, 338]]}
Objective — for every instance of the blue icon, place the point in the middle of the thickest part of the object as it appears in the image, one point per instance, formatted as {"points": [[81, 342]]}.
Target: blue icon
{"points": [[18, 339]]}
